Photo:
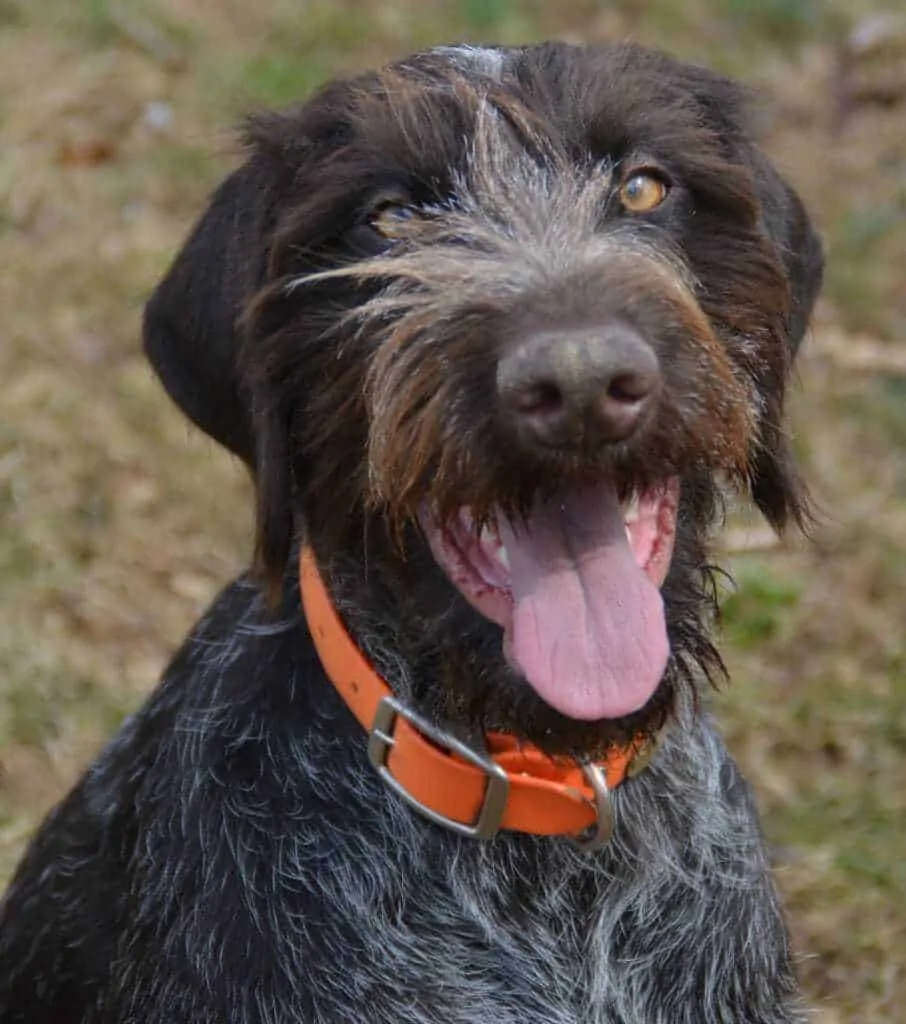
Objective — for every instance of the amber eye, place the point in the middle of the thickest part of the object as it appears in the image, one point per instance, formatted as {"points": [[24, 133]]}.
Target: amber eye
{"points": [[643, 192], [391, 219]]}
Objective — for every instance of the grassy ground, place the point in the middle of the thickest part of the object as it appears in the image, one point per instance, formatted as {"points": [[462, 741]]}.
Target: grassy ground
{"points": [[117, 522]]}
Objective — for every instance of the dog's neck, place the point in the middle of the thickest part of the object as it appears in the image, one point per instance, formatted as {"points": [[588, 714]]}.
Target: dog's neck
{"points": [[475, 792]]}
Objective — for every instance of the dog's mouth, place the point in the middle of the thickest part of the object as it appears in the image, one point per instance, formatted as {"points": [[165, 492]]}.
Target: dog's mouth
{"points": [[575, 586]]}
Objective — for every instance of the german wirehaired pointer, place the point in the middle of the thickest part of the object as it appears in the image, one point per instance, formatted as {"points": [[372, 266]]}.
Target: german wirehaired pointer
{"points": [[494, 330]]}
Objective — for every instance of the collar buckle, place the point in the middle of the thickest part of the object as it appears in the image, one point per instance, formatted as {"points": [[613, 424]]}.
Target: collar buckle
{"points": [[497, 785]]}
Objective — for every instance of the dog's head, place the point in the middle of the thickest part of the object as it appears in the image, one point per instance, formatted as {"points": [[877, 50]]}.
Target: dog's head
{"points": [[491, 328]]}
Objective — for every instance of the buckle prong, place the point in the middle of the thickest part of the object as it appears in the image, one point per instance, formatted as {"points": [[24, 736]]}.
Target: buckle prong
{"points": [[381, 740]]}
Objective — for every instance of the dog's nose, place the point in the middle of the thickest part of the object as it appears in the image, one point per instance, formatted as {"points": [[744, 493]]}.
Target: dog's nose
{"points": [[578, 387]]}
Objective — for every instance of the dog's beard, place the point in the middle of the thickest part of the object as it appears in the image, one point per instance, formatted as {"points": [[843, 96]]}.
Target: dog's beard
{"points": [[575, 587]]}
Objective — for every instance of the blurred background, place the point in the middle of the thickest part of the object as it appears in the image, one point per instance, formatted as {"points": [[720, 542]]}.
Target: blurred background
{"points": [[118, 522]]}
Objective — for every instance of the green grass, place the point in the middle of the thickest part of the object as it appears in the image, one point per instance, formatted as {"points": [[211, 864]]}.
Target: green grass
{"points": [[759, 605], [784, 23], [278, 81], [863, 270], [40, 707]]}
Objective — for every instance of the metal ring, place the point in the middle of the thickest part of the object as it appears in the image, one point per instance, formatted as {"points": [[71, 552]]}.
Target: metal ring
{"points": [[597, 836]]}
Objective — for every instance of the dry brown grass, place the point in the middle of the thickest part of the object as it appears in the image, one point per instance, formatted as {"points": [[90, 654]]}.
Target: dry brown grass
{"points": [[118, 523]]}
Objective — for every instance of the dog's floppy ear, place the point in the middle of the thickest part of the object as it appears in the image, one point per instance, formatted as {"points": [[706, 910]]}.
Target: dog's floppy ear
{"points": [[776, 485], [223, 301], [191, 333], [787, 224]]}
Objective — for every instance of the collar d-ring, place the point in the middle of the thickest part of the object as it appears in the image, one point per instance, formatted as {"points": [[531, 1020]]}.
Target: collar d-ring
{"points": [[599, 834]]}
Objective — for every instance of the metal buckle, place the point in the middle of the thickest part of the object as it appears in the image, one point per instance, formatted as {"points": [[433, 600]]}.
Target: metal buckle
{"points": [[380, 740], [598, 835]]}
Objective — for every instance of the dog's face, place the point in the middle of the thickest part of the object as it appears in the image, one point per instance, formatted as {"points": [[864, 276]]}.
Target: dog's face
{"points": [[498, 324]]}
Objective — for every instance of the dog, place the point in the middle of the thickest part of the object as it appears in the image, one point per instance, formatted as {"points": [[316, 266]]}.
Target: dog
{"points": [[495, 330]]}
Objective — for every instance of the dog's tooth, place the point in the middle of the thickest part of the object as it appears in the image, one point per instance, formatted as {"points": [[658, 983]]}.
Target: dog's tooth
{"points": [[631, 509], [503, 556]]}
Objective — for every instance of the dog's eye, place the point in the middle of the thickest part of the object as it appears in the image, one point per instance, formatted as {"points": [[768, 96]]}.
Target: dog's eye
{"points": [[391, 219], [643, 192]]}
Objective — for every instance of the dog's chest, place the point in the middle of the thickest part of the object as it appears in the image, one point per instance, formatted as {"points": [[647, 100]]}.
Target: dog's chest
{"points": [[448, 939]]}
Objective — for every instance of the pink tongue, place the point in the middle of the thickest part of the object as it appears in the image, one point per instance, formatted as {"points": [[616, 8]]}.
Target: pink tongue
{"points": [[588, 627]]}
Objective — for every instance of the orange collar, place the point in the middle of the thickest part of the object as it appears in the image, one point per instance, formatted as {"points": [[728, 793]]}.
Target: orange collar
{"points": [[509, 785]]}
